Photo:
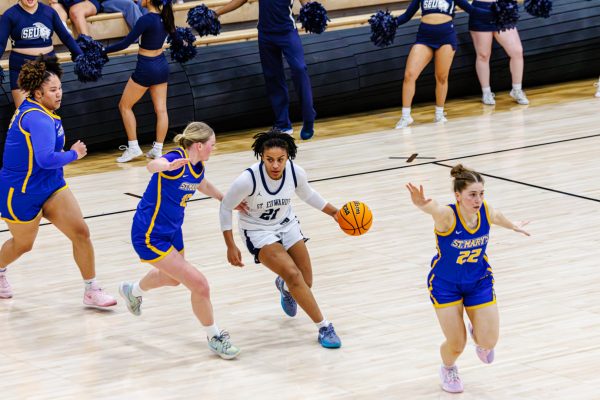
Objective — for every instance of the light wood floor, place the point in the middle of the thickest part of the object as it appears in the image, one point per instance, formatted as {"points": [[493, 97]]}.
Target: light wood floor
{"points": [[541, 164]]}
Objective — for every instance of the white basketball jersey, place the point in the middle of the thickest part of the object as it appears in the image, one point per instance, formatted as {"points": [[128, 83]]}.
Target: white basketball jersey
{"points": [[270, 203]]}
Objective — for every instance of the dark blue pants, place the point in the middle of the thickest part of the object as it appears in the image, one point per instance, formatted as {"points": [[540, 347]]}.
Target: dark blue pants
{"points": [[271, 46]]}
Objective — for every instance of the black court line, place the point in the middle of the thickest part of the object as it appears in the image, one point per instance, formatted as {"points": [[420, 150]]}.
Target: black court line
{"points": [[454, 158], [402, 167], [527, 184]]}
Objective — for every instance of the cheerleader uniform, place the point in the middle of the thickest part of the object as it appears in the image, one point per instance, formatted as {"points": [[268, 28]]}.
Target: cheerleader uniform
{"points": [[149, 71], [28, 31]]}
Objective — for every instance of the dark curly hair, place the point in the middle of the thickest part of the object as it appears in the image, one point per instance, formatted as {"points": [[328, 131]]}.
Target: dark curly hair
{"points": [[35, 72], [274, 138]]}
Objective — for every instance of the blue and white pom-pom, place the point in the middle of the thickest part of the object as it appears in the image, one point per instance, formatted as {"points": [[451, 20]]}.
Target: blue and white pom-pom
{"points": [[313, 17], [539, 8], [383, 28], [182, 44], [88, 66], [1, 75], [506, 14], [204, 20]]}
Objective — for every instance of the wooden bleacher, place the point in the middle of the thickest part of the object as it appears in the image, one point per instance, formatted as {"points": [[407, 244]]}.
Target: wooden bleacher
{"points": [[112, 25]]}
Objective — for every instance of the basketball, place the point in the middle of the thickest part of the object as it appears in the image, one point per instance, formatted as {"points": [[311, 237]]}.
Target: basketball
{"points": [[355, 218]]}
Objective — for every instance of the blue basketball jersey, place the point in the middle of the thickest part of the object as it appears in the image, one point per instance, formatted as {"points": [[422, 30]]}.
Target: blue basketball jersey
{"points": [[162, 207], [461, 254], [21, 165]]}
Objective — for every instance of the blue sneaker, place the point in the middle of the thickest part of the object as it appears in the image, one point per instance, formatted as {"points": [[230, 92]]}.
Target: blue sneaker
{"points": [[289, 305], [328, 338], [306, 133]]}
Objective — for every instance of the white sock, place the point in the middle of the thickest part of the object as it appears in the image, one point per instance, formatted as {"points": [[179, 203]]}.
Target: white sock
{"points": [[133, 144], [517, 86], [285, 287], [486, 90], [322, 324], [158, 146], [439, 111], [136, 290], [406, 112], [212, 331], [88, 283]]}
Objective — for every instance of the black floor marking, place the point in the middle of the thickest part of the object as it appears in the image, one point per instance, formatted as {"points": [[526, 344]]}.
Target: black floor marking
{"points": [[527, 184], [137, 196], [402, 167]]}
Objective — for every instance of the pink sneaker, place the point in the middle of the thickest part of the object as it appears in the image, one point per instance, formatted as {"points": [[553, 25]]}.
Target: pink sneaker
{"points": [[95, 297], [5, 289], [450, 380], [486, 356]]}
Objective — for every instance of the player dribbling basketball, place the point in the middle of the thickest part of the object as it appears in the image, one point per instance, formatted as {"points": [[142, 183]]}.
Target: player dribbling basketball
{"points": [[271, 229]]}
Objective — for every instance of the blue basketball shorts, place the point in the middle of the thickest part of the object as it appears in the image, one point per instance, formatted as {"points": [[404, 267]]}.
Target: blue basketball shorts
{"points": [[478, 294], [22, 208], [156, 246]]}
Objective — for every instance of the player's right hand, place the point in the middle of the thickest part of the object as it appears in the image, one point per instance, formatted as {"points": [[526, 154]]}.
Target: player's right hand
{"points": [[234, 256], [177, 163], [80, 148]]}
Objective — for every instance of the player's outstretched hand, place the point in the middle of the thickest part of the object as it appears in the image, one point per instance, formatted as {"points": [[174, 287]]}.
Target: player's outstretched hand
{"points": [[519, 227], [177, 163], [417, 195]]}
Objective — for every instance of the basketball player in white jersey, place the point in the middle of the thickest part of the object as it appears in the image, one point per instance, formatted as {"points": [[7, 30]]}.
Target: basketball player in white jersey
{"points": [[271, 229]]}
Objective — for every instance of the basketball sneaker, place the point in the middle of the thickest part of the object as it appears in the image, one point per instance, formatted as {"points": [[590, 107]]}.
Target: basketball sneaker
{"points": [[519, 96], [306, 133], [94, 296], [5, 289], [328, 338], [154, 153], [289, 305], [450, 380], [488, 99], [134, 304], [486, 356], [289, 130], [222, 346], [129, 153], [597, 84], [404, 122]]}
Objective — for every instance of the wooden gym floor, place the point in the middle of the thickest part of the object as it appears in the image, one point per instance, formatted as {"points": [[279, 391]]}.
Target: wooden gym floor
{"points": [[541, 164]]}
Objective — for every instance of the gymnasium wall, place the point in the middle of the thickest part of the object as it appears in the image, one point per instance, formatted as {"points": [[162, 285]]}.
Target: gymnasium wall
{"points": [[224, 86]]}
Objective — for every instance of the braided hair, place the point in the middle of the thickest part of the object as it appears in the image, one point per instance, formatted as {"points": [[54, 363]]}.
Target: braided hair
{"points": [[463, 177], [35, 72], [274, 138]]}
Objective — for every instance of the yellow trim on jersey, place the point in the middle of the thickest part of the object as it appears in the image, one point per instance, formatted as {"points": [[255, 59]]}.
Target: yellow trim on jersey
{"points": [[437, 246], [50, 113], [487, 214], [149, 231], [191, 167], [489, 303], [430, 288], [449, 231], [163, 254], [462, 221]]}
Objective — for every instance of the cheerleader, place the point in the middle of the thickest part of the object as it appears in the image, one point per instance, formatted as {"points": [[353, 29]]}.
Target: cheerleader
{"points": [[436, 39], [32, 183], [483, 32], [30, 26], [151, 73]]}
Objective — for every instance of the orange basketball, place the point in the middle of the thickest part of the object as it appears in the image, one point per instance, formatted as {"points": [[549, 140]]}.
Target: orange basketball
{"points": [[355, 218]]}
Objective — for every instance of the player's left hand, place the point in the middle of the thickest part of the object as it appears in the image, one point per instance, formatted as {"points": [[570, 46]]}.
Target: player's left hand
{"points": [[519, 227], [243, 207]]}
